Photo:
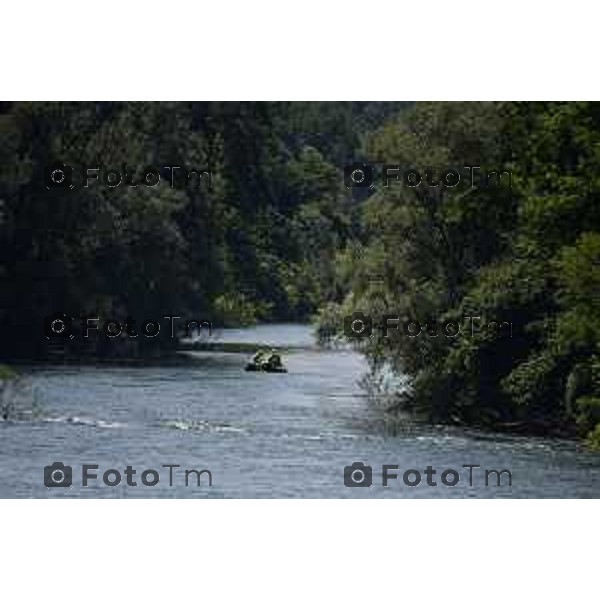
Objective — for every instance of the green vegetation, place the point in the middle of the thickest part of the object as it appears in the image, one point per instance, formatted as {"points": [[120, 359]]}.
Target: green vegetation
{"points": [[278, 237], [529, 255], [8, 379], [6, 373], [258, 246]]}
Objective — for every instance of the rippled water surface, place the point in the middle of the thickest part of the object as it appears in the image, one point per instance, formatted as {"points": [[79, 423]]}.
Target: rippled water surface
{"points": [[260, 435]]}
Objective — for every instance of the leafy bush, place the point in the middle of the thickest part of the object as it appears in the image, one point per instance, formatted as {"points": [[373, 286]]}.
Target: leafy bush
{"points": [[16, 396], [593, 439], [528, 255], [236, 310], [588, 413], [329, 323], [6, 373]]}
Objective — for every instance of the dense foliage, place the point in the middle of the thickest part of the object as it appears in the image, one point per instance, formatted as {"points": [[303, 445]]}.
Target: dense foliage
{"points": [[278, 237], [258, 245], [527, 255]]}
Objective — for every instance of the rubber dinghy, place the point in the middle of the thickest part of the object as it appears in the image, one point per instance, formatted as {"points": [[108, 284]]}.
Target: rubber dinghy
{"points": [[265, 368], [267, 364]]}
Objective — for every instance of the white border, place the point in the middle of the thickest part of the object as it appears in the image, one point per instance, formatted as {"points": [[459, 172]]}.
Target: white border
{"points": [[299, 549], [310, 50]]}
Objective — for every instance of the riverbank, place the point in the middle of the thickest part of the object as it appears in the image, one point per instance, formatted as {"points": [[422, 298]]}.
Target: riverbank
{"points": [[538, 428]]}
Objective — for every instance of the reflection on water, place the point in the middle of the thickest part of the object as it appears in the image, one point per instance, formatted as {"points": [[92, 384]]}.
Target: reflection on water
{"points": [[261, 435]]}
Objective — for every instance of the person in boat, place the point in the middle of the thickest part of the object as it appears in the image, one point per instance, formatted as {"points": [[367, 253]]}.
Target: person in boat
{"points": [[258, 358], [274, 359], [266, 361]]}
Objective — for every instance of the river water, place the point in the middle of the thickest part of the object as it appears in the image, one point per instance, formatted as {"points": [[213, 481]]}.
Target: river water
{"points": [[260, 435]]}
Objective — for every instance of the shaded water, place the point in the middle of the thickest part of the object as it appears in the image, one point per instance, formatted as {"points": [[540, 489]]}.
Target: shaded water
{"points": [[260, 435]]}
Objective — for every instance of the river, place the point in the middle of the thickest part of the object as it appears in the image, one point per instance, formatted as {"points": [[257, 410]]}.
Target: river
{"points": [[260, 435]]}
